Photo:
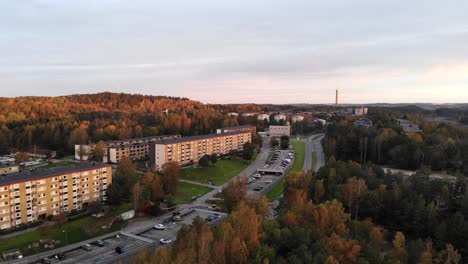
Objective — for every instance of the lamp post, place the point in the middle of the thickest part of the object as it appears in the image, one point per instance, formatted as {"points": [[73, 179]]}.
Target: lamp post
{"points": [[66, 236], [121, 242]]}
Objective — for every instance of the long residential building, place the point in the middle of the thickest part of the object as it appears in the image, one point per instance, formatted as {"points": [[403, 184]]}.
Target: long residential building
{"points": [[135, 148], [242, 128], [30, 195], [188, 150]]}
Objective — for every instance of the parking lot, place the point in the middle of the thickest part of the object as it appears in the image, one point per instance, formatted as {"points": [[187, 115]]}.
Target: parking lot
{"points": [[106, 252], [270, 172]]}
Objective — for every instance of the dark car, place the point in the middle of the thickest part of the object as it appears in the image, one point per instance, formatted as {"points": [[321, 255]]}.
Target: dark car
{"points": [[99, 243], [121, 249], [259, 188]]}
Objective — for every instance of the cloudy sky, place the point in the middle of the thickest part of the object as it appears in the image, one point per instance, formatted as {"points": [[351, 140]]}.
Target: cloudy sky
{"points": [[224, 51]]}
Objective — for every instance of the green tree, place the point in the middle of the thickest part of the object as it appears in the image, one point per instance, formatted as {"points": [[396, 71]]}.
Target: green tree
{"points": [[248, 151]]}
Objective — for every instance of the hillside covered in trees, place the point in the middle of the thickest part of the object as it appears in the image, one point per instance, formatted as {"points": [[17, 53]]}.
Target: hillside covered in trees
{"points": [[60, 122]]}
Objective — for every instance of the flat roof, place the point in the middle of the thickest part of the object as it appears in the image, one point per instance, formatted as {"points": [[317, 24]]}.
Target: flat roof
{"points": [[133, 144], [131, 139], [193, 138], [7, 165], [27, 175], [242, 126]]}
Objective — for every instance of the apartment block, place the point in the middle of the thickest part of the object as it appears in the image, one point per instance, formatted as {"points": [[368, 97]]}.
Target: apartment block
{"points": [[189, 150], [30, 195], [8, 168], [279, 117], [278, 131], [117, 149], [297, 118], [243, 128], [262, 117]]}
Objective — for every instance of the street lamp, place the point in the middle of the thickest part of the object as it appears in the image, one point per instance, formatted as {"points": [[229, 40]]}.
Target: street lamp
{"points": [[66, 236], [121, 242]]}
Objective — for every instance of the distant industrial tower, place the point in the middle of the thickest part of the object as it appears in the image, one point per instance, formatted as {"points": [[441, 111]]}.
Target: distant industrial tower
{"points": [[336, 97]]}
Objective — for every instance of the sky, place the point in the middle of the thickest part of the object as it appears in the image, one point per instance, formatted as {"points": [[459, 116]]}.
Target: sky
{"points": [[243, 51]]}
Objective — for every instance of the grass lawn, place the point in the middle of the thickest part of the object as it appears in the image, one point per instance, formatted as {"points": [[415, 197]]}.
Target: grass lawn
{"points": [[299, 152], [75, 229], [185, 192], [219, 173]]}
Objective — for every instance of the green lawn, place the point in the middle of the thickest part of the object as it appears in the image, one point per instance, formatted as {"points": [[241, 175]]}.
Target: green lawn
{"points": [[185, 192], [75, 229], [219, 173], [299, 152]]}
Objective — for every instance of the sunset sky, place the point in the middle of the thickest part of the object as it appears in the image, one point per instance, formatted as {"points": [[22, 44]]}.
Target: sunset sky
{"points": [[238, 51]]}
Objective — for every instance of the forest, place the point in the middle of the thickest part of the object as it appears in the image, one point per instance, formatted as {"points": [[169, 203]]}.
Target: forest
{"points": [[440, 147], [60, 122], [344, 214]]}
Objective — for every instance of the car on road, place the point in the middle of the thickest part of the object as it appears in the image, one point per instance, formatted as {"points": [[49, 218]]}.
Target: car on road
{"points": [[87, 247], [121, 249], [211, 218], [99, 243], [165, 241], [159, 227], [259, 188]]}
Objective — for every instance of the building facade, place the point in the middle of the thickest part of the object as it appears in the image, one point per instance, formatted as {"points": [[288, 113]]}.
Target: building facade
{"points": [[280, 117], [189, 150], [120, 148], [278, 131], [244, 128], [6, 168], [262, 117], [297, 118], [30, 195]]}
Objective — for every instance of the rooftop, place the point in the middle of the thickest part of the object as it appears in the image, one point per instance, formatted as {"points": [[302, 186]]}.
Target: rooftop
{"points": [[234, 127], [27, 175], [6, 165], [193, 138], [133, 139]]}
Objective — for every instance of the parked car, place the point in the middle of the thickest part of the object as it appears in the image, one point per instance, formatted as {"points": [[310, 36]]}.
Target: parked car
{"points": [[257, 176], [165, 241], [268, 181], [177, 218], [87, 247], [121, 249], [159, 227], [211, 218], [259, 188], [99, 243], [250, 180]]}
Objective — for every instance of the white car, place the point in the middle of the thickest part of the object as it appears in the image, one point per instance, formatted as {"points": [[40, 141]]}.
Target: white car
{"points": [[165, 241], [268, 181], [257, 176], [159, 227]]}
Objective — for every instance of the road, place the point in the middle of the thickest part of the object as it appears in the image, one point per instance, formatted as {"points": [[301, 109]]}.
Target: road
{"points": [[313, 145]]}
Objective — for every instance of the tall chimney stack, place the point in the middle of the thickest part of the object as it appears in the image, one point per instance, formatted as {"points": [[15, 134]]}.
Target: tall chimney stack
{"points": [[336, 97]]}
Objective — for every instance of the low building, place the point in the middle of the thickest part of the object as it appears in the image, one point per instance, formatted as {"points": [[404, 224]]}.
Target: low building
{"points": [[279, 117], [262, 117], [232, 114], [360, 111], [189, 150], [30, 195], [363, 122], [278, 131], [120, 148], [243, 128], [6, 168], [248, 114], [408, 126], [297, 118]]}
